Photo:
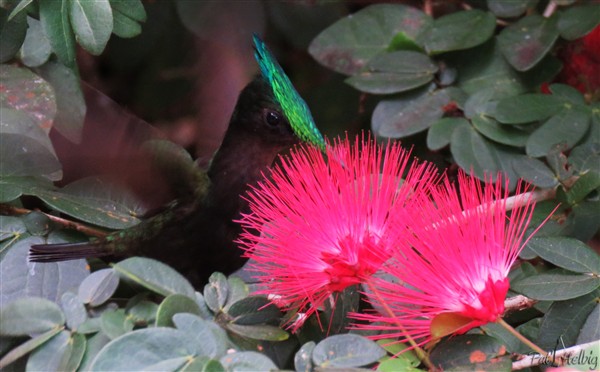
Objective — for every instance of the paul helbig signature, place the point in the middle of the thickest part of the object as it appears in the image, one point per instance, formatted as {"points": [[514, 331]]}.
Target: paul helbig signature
{"points": [[580, 358]]}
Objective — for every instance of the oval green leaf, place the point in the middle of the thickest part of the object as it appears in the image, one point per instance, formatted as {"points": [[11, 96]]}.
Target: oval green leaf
{"points": [[209, 338], [567, 127], [174, 304], [527, 108], [568, 253], [74, 310], [457, 31], [556, 286], [577, 21], [98, 287], [29, 315], [247, 361], [535, 172], [54, 15], [36, 48], [92, 22], [346, 351]]}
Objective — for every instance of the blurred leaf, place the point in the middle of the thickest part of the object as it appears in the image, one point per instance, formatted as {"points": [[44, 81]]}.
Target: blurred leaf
{"points": [[473, 153], [247, 361], [19, 278], [98, 287], [12, 34], [585, 157], [253, 310], [440, 132], [11, 227], [527, 108], [586, 184], [74, 310], [12, 188], [23, 156], [27, 347], [238, 290], [93, 346], [303, 357], [174, 304], [126, 17], [567, 93], [37, 223], [141, 310], [394, 72], [525, 42], [91, 325], [413, 113], [20, 8], [590, 330], [510, 9], [92, 22], [114, 323], [556, 286], [503, 134], [577, 21], [471, 352], [568, 127], [259, 332], [347, 45], [154, 275], [209, 339], [568, 253], [203, 364], [36, 48], [69, 99], [96, 201], [564, 321], [535, 171], [54, 16], [61, 353], [216, 292], [78, 345], [346, 350], [142, 349], [457, 31], [585, 218], [393, 347], [30, 315]]}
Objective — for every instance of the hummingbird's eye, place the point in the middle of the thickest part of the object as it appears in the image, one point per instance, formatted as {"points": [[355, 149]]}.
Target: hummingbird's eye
{"points": [[273, 118]]}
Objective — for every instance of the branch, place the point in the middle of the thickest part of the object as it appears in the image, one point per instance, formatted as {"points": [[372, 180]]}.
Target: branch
{"points": [[10, 210], [574, 355], [518, 303]]}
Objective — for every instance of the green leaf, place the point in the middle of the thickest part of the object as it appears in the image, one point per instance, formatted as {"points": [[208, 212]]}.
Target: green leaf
{"points": [[568, 253], [567, 127], [238, 290], [54, 16], [209, 339], [253, 310], [393, 347], [216, 292], [28, 346], [525, 42], [552, 286], [126, 17], [78, 345], [585, 185], [90, 326], [92, 22], [527, 108], [564, 321], [346, 351], [509, 9], [440, 132], [19, 278], [471, 352], [535, 171], [590, 331], [457, 31], [303, 357], [98, 287], [30, 315], [23, 156], [413, 113], [503, 134], [37, 223], [394, 72], [141, 349], [567, 93], [75, 313], [585, 157], [36, 48], [114, 323], [12, 34], [93, 347], [259, 332], [69, 99], [247, 361], [20, 8], [12, 188], [141, 310], [95, 201], [579, 20], [11, 227], [473, 153], [347, 45], [154, 275], [203, 364], [585, 218], [174, 304]]}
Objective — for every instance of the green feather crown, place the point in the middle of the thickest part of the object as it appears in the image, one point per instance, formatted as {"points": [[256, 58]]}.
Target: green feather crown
{"points": [[294, 108]]}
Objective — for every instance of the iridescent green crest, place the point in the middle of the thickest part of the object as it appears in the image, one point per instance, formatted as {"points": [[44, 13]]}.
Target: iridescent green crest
{"points": [[294, 108]]}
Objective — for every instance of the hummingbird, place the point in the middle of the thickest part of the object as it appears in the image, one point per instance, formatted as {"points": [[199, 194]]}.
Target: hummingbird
{"points": [[195, 234]]}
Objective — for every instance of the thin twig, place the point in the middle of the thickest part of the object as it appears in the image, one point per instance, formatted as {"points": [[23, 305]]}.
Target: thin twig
{"points": [[518, 303], [560, 357], [10, 210]]}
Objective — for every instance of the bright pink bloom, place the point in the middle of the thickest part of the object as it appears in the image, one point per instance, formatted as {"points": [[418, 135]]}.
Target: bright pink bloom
{"points": [[454, 262], [327, 224]]}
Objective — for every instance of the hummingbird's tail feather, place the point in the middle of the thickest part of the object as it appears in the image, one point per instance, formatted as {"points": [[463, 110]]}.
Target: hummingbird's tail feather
{"points": [[65, 252]]}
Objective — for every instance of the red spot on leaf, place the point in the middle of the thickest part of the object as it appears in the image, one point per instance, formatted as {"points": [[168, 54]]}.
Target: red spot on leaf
{"points": [[477, 356]]}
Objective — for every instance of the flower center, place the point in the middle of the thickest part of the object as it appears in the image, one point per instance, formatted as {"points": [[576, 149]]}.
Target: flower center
{"points": [[491, 302]]}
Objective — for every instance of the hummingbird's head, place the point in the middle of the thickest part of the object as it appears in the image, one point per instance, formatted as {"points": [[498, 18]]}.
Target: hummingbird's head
{"points": [[281, 103]]}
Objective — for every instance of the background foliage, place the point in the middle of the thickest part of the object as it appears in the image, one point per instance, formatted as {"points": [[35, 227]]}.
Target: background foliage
{"points": [[485, 86]]}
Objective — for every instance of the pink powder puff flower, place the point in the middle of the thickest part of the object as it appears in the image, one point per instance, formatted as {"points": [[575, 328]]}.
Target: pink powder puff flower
{"points": [[326, 224], [450, 273]]}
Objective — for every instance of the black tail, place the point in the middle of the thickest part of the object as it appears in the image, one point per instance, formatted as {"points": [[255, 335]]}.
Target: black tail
{"points": [[65, 252]]}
